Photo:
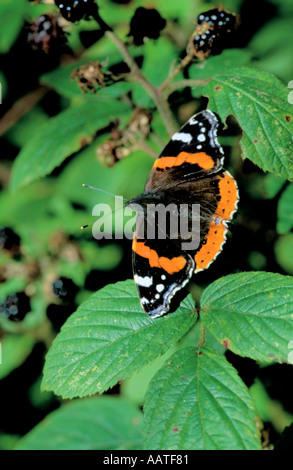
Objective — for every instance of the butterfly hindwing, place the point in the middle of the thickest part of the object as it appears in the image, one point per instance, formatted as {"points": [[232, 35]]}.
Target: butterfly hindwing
{"points": [[159, 276]]}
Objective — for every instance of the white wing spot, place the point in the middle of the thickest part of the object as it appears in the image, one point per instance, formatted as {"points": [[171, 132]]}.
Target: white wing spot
{"points": [[182, 137], [201, 137], [143, 281], [160, 287]]}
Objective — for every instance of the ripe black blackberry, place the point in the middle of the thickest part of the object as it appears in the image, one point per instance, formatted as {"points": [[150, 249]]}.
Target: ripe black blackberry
{"points": [[9, 240], [213, 31], [65, 289], [146, 23], [76, 10], [16, 306], [45, 34]]}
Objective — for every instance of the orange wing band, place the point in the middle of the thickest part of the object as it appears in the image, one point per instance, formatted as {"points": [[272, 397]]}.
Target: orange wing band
{"points": [[171, 266], [217, 232], [201, 159]]}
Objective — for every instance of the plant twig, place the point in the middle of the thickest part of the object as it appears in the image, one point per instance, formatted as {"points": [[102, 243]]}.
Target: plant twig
{"points": [[184, 62], [21, 107], [183, 84], [202, 335], [160, 102]]}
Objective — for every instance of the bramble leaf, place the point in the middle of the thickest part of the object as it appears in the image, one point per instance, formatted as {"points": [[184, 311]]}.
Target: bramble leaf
{"points": [[251, 313], [109, 338], [259, 101], [60, 137], [89, 424], [198, 402]]}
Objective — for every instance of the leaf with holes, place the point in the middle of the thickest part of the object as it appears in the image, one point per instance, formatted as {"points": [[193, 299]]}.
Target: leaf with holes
{"points": [[60, 137], [198, 402], [259, 101], [251, 314], [91, 424], [109, 338]]}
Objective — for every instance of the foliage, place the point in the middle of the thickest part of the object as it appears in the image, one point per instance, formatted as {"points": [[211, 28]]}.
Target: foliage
{"points": [[183, 369]]}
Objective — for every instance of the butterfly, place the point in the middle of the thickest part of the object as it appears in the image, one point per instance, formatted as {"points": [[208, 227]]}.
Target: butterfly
{"points": [[188, 172]]}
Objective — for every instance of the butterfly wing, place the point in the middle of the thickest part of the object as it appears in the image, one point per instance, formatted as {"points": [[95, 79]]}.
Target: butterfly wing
{"points": [[193, 152], [189, 170], [160, 270]]}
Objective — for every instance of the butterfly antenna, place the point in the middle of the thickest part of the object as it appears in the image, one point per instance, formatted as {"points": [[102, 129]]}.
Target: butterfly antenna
{"points": [[103, 191]]}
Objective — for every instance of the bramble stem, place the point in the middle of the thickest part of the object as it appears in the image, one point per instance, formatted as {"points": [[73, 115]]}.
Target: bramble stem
{"points": [[160, 102], [202, 335], [184, 62], [184, 83]]}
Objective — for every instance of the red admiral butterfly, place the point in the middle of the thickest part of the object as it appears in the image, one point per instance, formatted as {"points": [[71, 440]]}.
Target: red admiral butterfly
{"points": [[189, 170]]}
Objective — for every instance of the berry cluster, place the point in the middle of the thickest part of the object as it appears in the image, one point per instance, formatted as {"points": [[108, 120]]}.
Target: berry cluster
{"points": [[15, 306], [76, 10], [65, 289], [146, 23], [212, 32], [90, 77], [45, 34], [123, 142]]}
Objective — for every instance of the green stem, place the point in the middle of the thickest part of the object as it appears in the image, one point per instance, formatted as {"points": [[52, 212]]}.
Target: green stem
{"points": [[183, 84], [184, 62], [160, 102], [202, 335]]}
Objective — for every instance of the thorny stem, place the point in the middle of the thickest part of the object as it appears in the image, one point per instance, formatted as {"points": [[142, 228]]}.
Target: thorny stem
{"points": [[160, 102]]}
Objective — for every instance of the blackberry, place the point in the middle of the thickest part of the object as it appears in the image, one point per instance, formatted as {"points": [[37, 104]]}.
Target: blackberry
{"points": [[212, 33], [9, 240], [76, 10], [16, 306], [65, 289], [45, 34], [146, 23]]}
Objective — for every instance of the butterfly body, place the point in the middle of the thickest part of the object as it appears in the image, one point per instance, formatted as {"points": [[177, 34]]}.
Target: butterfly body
{"points": [[188, 173]]}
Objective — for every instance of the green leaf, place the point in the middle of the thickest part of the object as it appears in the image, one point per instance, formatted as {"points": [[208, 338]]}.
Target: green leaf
{"points": [[284, 210], [13, 352], [158, 60], [60, 137], [11, 13], [198, 402], [272, 48], [283, 251], [109, 338], [264, 186], [251, 314], [217, 64], [259, 101], [96, 423]]}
